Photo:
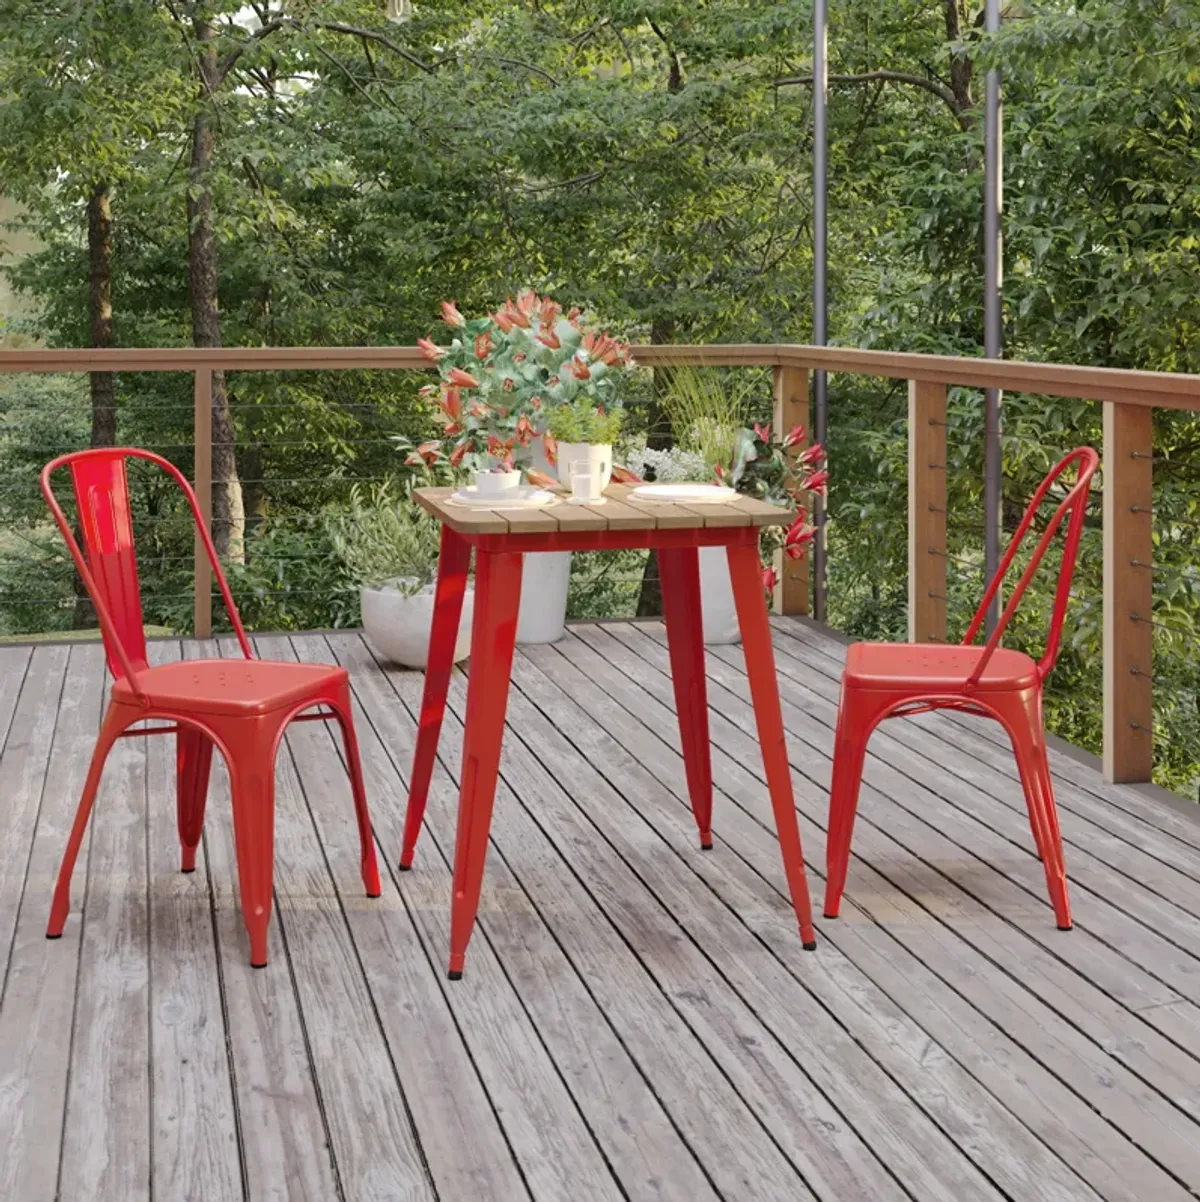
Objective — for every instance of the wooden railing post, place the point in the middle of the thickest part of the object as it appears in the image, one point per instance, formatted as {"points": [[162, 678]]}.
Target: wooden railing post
{"points": [[791, 409], [202, 437], [926, 512], [1128, 593]]}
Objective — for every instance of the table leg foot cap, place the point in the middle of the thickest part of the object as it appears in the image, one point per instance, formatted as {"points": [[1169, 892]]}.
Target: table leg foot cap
{"points": [[455, 974], [405, 868], [810, 946], [1065, 928], [58, 936], [706, 846]]}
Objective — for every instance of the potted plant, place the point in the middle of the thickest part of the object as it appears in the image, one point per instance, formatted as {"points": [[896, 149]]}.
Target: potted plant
{"points": [[714, 446], [501, 375], [388, 547], [584, 433]]}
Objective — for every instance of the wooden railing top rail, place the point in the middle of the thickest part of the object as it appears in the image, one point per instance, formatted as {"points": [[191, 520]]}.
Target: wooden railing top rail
{"points": [[1166, 390]]}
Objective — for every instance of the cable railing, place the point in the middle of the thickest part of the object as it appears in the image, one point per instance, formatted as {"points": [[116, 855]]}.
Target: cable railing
{"points": [[1129, 399]]}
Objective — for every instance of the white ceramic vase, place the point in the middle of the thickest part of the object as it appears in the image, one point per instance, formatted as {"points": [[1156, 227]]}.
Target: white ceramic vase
{"points": [[399, 626]]}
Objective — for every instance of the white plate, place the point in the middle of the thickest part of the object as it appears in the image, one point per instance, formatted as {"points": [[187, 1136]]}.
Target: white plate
{"points": [[524, 496], [683, 492]]}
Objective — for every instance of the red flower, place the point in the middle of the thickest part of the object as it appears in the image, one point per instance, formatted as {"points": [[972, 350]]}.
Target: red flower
{"points": [[795, 436], [451, 316], [498, 449], [427, 390], [579, 369], [483, 345], [718, 473], [769, 579], [762, 433], [451, 403], [524, 430], [798, 538], [451, 429], [622, 475], [550, 446], [430, 350], [549, 313], [503, 320], [414, 460], [478, 410], [462, 379], [813, 454], [573, 316], [456, 456], [540, 479], [509, 384], [549, 338], [818, 482]]}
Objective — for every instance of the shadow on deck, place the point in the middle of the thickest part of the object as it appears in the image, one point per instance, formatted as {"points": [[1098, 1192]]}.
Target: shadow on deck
{"points": [[637, 1019]]}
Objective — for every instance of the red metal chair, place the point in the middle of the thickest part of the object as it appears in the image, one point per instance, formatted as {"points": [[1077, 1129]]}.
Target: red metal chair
{"points": [[889, 680], [241, 706]]}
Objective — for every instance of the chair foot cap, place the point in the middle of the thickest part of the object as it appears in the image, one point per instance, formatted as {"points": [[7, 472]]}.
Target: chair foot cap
{"points": [[378, 893], [405, 868], [810, 946], [455, 975], [706, 846], [262, 965], [189, 870], [1065, 928], [828, 915], [58, 936]]}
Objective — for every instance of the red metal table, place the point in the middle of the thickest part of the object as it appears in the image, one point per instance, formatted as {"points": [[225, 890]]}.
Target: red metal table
{"points": [[500, 538]]}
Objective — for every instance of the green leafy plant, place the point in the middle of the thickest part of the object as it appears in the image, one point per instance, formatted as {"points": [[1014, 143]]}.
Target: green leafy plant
{"points": [[503, 373], [706, 409], [583, 422], [381, 537]]}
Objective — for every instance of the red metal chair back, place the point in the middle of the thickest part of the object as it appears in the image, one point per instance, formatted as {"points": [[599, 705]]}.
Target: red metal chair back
{"points": [[1074, 503], [109, 567]]}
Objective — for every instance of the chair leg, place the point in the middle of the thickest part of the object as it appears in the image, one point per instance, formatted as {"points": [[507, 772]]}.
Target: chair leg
{"points": [[497, 599], [1022, 715], [856, 721], [115, 721], [193, 762], [746, 576], [453, 562], [679, 571], [253, 789], [370, 868]]}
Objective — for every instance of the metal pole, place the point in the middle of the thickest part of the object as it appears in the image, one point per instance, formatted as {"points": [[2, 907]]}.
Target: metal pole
{"points": [[993, 331], [820, 296]]}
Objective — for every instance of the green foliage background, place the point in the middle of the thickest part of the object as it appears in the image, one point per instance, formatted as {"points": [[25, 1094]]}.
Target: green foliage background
{"points": [[649, 161]]}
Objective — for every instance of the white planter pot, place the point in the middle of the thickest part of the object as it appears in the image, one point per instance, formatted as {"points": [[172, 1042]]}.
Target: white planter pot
{"points": [[399, 626], [572, 452], [717, 607], [543, 614]]}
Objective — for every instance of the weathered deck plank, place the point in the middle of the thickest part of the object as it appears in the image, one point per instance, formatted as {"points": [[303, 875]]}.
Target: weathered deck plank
{"points": [[637, 1020]]}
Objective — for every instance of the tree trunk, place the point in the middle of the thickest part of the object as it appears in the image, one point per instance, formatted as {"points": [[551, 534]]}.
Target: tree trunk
{"points": [[229, 523], [100, 334]]}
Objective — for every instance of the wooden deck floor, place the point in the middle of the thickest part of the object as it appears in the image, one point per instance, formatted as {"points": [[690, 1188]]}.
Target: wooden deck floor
{"points": [[637, 1019]]}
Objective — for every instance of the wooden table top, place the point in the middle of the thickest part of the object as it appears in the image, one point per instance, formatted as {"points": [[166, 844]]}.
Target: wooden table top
{"points": [[618, 512]]}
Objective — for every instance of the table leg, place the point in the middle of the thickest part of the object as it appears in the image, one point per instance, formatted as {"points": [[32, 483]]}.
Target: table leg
{"points": [[453, 562], [497, 599], [746, 573], [679, 573]]}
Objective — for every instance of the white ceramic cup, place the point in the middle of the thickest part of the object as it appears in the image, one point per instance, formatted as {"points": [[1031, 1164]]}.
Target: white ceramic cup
{"points": [[587, 481]]}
